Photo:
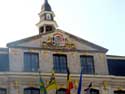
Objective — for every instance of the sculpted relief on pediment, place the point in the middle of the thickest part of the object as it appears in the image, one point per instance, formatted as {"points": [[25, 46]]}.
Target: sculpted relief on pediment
{"points": [[58, 41]]}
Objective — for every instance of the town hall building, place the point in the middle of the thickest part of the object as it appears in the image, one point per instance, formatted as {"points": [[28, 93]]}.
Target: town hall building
{"points": [[55, 49]]}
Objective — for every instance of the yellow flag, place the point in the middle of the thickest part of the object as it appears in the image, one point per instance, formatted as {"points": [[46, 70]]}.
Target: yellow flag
{"points": [[52, 83]]}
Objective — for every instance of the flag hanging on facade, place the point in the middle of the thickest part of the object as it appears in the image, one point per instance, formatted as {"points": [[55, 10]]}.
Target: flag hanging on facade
{"points": [[88, 88], [69, 82], [52, 85], [42, 86], [80, 84], [105, 84]]}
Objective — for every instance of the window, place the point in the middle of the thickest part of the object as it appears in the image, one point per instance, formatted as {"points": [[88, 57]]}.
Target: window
{"points": [[41, 30], [4, 62], [31, 62], [116, 67], [91, 91], [49, 28], [87, 63], [48, 16], [94, 91], [60, 63], [119, 92], [3, 91], [31, 90], [61, 91]]}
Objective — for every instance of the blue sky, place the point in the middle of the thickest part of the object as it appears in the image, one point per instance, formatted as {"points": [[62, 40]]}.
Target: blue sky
{"points": [[99, 21]]}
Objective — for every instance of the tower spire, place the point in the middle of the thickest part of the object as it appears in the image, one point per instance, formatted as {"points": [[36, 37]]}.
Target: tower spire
{"points": [[46, 1], [46, 23]]}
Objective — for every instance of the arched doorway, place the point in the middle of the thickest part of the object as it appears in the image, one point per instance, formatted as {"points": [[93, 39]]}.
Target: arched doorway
{"points": [[31, 90]]}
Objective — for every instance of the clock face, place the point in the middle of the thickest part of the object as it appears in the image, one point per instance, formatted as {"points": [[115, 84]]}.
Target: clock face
{"points": [[48, 16]]}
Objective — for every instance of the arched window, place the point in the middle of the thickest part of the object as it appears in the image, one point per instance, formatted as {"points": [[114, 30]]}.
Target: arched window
{"points": [[3, 91], [48, 16], [119, 92], [61, 91], [94, 91], [31, 90], [91, 91]]}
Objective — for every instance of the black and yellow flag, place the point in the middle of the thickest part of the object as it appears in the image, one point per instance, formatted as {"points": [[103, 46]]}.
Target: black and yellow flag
{"points": [[52, 83]]}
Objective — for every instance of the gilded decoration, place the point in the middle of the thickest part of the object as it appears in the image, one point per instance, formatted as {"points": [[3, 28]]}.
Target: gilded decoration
{"points": [[57, 41]]}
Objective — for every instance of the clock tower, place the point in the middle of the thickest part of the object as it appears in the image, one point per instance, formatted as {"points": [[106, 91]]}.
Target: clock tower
{"points": [[46, 23]]}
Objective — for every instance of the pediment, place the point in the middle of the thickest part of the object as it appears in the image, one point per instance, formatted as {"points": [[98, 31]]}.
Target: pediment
{"points": [[58, 40]]}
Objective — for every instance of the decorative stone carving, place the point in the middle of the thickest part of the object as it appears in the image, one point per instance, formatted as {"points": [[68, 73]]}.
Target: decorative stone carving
{"points": [[58, 42]]}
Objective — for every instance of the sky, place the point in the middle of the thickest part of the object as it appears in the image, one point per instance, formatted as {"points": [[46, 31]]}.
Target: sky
{"points": [[99, 21]]}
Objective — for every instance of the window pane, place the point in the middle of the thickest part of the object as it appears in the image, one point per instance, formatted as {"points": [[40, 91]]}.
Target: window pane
{"points": [[31, 62], [60, 63], [94, 91], [61, 91], [27, 91], [34, 62], [31, 91], [27, 65], [35, 91], [3, 91], [4, 62], [119, 92], [116, 67], [87, 63]]}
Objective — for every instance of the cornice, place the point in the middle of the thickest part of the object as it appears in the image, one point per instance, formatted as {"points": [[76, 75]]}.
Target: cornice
{"points": [[60, 75], [115, 57]]}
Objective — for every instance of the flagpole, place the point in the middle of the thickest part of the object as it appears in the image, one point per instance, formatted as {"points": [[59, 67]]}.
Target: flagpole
{"points": [[39, 74], [39, 71], [80, 83], [42, 87]]}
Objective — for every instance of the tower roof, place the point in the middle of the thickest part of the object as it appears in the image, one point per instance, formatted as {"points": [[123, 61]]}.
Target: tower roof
{"points": [[46, 23], [46, 6]]}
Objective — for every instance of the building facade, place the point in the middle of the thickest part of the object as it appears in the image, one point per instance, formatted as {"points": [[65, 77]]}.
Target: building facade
{"points": [[55, 49]]}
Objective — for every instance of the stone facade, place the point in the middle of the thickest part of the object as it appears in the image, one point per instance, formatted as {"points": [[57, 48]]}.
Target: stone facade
{"points": [[16, 80], [50, 41]]}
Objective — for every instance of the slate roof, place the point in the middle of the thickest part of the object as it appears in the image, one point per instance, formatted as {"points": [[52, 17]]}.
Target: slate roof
{"points": [[46, 6], [115, 57], [4, 49]]}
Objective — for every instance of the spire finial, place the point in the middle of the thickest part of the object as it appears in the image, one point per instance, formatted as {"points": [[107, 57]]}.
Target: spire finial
{"points": [[46, 1], [46, 6]]}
